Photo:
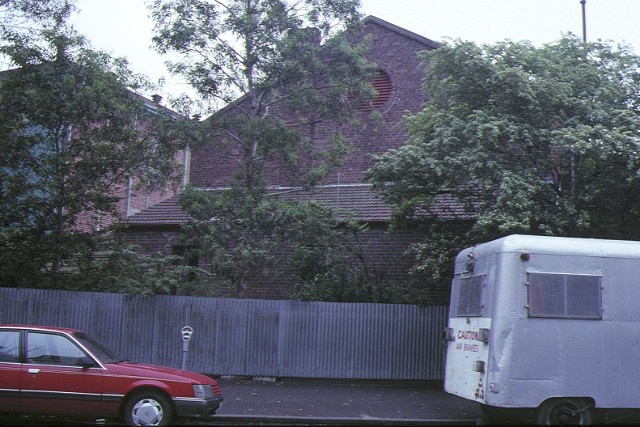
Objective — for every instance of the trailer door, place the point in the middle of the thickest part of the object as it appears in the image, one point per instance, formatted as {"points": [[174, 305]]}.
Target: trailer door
{"points": [[467, 339]]}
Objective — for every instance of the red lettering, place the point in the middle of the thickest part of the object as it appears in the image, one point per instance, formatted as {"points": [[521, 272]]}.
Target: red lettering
{"points": [[469, 335], [471, 347]]}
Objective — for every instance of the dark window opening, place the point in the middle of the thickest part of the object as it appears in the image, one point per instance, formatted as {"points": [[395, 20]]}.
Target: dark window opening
{"points": [[470, 296]]}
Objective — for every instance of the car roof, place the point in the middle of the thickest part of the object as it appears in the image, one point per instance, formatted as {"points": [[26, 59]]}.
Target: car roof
{"points": [[39, 328]]}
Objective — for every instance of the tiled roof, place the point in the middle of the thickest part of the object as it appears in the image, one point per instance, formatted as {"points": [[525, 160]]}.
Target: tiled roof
{"points": [[166, 212], [356, 198], [367, 206]]}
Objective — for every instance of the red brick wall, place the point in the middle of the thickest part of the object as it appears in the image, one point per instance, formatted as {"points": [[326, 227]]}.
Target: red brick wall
{"points": [[153, 240], [386, 259], [139, 199], [396, 54]]}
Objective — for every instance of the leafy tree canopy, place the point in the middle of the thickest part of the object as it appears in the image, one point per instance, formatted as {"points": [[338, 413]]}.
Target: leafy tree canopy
{"points": [[527, 140], [280, 68], [252, 240], [72, 133], [24, 21], [288, 74]]}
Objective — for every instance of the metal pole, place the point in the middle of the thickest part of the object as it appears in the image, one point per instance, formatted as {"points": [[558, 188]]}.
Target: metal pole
{"points": [[185, 352], [584, 20], [584, 40]]}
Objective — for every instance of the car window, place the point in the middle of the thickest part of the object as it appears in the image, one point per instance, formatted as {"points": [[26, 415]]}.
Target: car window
{"points": [[9, 346], [53, 349], [100, 351]]}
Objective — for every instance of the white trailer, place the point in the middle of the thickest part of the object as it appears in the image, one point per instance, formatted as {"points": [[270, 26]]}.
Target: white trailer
{"points": [[546, 323]]}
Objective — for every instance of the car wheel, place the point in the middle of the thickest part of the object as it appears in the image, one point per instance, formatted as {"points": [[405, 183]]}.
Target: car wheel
{"points": [[148, 409], [566, 411]]}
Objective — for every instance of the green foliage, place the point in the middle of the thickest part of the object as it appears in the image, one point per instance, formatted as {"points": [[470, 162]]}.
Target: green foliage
{"points": [[288, 76], [281, 70], [109, 267], [236, 232], [527, 140], [71, 136], [249, 239], [326, 257], [23, 22], [127, 270]]}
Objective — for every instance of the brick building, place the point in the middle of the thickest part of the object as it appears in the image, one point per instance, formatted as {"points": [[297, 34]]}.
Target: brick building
{"points": [[395, 51], [132, 197]]}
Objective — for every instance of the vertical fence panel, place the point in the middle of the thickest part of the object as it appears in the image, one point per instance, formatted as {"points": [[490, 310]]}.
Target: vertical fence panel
{"points": [[15, 306], [295, 320], [249, 337], [263, 317], [168, 321], [199, 314], [45, 311], [138, 334], [107, 321], [231, 319]]}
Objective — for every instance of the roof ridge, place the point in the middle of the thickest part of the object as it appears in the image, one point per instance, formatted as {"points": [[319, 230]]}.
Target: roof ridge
{"points": [[401, 30]]}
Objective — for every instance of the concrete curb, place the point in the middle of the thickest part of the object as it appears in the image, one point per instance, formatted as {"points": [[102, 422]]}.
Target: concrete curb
{"points": [[259, 420]]}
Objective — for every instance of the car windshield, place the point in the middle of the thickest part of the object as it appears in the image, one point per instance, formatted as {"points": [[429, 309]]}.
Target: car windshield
{"points": [[100, 351]]}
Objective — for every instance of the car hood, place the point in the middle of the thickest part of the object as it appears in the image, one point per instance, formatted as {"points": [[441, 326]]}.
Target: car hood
{"points": [[158, 372]]}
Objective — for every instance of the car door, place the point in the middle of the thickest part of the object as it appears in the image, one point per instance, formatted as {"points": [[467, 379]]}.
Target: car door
{"points": [[56, 378], [9, 369]]}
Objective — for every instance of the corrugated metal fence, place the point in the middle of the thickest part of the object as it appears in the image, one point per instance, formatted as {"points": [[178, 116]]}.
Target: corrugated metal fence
{"points": [[249, 337]]}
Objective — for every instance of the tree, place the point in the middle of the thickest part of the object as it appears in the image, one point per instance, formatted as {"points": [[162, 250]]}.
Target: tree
{"points": [[72, 131], [272, 239], [288, 75], [26, 19], [280, 68], [525, 140]]}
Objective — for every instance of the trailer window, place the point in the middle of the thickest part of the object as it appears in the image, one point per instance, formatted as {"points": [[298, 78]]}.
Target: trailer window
{"points": [[565, 296], [470, 296]]}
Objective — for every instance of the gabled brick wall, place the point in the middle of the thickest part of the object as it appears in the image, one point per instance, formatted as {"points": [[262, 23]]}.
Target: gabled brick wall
{"points": [[395, 50], [396, 54]]}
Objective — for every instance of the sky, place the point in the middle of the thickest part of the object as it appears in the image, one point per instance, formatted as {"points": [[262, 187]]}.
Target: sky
{"points": [[123, 28]]}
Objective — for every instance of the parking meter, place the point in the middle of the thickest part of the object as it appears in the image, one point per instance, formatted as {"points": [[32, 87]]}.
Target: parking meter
{"points": [[186, 333]]}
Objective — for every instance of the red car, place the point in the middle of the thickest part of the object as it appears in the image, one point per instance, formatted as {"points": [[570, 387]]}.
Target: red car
{"points": [[65, 372]]}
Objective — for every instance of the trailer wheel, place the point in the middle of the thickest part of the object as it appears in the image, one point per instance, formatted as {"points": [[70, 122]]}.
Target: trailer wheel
{"points": [[567, 411]]}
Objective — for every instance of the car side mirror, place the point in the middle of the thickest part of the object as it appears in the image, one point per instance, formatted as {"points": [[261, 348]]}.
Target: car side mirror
{"points": [[86, 362]]}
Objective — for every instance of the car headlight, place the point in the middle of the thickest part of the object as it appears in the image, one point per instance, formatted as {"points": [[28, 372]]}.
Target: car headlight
{"points": [[202, 391]]}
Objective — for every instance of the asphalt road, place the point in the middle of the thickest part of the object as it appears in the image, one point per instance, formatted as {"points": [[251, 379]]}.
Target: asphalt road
{"points": [[289, 402], [342, 402]]}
